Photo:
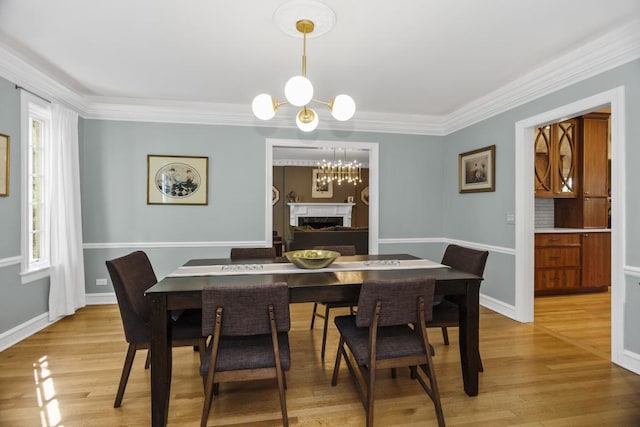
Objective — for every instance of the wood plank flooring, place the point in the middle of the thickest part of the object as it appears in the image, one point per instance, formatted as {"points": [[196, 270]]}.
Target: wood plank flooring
{"points": [[67, 375]]}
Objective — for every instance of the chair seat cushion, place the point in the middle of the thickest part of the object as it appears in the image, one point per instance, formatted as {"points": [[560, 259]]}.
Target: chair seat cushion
{"points": [[248, 352], [392, 341]]}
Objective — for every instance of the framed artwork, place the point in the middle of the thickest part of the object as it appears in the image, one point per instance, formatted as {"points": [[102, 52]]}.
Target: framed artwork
{"points": [[349, 199], [364, 195], [320, 190], [177, 180], [477, 170], [4, 165], [275, 195]]}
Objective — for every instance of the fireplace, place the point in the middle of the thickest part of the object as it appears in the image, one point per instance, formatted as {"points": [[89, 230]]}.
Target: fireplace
{"points": [[322, 214], [320, 221]]}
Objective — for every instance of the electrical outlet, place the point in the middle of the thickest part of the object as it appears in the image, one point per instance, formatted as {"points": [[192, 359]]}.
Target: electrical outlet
{"points": [[511, 218], [101, 282]]}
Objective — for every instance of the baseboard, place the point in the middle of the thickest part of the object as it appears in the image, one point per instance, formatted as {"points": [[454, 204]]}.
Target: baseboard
{"points": [[101, 299], [24, 331], [498, 306], [630, 361]]}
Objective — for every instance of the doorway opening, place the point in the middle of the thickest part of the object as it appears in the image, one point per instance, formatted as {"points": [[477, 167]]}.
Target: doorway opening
{"points": [[572, 224], [370, 148], [525, 228]]}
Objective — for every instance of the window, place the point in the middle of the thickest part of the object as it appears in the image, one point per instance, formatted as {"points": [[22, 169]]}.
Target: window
{"points": [[36, 136]]}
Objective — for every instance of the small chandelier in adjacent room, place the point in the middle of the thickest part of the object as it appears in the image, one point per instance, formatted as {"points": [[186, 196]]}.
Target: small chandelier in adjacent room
{"points": [[339, 171], [299, 93]]}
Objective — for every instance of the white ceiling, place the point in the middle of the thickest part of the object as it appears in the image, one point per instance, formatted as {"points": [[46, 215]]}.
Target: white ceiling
{"points": [[416, 58]]}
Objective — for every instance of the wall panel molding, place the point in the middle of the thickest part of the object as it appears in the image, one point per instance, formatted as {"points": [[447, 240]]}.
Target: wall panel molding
{"points": [[219, 244], [6, 262]]}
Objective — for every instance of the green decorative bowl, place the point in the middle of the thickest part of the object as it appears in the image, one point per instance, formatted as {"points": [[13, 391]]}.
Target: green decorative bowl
{"points": [[312, 258]]}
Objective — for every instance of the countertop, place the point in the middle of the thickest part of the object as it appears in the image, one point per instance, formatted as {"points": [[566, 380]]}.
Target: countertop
{"points": [[572, 230]]}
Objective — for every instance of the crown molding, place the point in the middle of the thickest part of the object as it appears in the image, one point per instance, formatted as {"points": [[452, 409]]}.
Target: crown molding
{"points": [[21, 73], [605, 53]]}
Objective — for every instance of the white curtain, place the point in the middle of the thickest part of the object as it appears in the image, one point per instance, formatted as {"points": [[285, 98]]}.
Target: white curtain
{"points": [[67, 291]]}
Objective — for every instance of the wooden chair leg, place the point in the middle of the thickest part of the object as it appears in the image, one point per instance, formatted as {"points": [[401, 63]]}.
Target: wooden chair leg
{"points": [[283, 401], [126, 369], [147, 362], [445, 336], [371, 394], [324, 331], [202, 349], [336, 366], [313, 315]]}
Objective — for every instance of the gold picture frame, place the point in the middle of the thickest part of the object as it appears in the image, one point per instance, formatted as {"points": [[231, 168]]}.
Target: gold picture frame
{"points": [[477, 170], [177, 180], [5, 141], [320, 190]]}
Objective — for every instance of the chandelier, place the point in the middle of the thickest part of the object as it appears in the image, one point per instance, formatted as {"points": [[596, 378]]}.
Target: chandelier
{"points": [[339, 171], [299, 92]]}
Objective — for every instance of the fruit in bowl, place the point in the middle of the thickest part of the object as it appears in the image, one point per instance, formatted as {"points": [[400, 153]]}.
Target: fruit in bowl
{"points": [[312, 258]]}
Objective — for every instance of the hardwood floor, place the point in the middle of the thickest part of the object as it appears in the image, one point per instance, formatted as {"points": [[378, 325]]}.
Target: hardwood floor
{"points": [[583, 320], [67, 375]]}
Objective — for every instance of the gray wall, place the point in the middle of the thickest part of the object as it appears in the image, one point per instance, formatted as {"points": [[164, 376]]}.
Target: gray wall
{"points": [[116, 218], [481, 217], [18, 303]]}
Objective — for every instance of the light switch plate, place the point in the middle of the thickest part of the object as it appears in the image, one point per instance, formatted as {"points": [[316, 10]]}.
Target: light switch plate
{"points": [[511, 218]]}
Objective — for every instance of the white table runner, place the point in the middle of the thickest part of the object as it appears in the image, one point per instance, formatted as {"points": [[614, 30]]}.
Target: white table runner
{"points": [[287, 268]]}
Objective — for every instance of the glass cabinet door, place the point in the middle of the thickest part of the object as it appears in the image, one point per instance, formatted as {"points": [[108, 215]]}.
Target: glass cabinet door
{"points": [[565, 176], [542, 179]]}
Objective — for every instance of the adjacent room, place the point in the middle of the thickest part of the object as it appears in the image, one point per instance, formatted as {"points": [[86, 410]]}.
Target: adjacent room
{"points": [[319, 213]]}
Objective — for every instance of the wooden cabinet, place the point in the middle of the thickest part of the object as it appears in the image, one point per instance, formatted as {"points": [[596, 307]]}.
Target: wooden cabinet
{"points": [[557, 262], [572, 262], [555, 160], [591, 206], [596, 261]]}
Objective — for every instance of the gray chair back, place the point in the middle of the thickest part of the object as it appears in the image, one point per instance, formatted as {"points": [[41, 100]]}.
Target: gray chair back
{"points": [[244, 308], [131, 276], [465, 259], [398, 300]]}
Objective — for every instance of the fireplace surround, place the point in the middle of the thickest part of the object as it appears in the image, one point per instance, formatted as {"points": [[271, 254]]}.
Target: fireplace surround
{"points": [[320, 213]]}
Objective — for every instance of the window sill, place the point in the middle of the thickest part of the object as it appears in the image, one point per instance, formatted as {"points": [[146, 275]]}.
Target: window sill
{"points": [[33, 275]]}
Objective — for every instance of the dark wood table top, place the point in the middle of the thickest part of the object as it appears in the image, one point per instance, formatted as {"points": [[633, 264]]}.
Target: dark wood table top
{"points": [[448, 281]]}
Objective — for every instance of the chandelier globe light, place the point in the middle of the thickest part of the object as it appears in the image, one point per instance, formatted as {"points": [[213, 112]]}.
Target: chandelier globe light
{"points": [[307, 120], [299, 90]]}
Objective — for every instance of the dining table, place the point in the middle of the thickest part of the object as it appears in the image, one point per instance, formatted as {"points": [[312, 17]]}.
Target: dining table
{"points": [[340, 282]]}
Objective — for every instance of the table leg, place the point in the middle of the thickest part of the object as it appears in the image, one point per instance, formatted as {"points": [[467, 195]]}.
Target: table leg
{"points": [[469, 313], [160, 361]]}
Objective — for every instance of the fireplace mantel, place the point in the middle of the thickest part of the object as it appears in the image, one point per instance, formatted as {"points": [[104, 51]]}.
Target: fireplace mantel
{"points": [[303, 210]]}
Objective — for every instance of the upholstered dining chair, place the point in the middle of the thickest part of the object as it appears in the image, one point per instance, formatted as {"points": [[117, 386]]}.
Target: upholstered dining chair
{"points": [[387, 332], [344, 250], [445, 311], [253, 253], [249, 325], [131, 276]]}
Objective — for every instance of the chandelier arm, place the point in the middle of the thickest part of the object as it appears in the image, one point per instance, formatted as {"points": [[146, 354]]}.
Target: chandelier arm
{"points": [[320, 101]]}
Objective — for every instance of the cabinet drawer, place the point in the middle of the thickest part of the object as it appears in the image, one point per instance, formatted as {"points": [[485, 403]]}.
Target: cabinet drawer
{"points": [[558, 257], [557, 279], [555, 239]]}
